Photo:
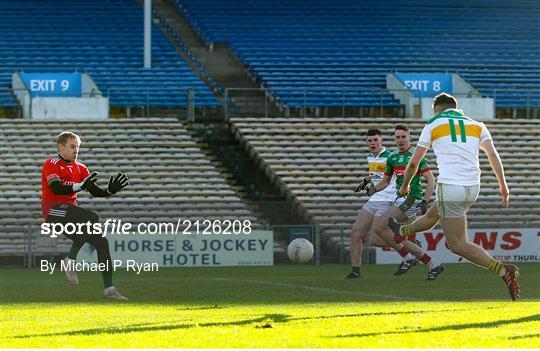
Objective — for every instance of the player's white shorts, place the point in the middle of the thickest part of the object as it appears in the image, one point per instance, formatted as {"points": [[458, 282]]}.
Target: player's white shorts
{"points": [[454, 201], [409, 207], [377, 208]]}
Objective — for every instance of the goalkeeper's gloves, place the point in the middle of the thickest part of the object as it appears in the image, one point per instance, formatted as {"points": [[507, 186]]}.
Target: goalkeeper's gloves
{"points": [[362, 184], [370, 189], [366, 185], [117, 183], [86, 183], [423, 206]]}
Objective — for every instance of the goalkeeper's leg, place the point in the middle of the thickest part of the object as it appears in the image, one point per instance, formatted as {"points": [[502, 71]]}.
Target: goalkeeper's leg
{"points": [[69, 213], [101, 244]]}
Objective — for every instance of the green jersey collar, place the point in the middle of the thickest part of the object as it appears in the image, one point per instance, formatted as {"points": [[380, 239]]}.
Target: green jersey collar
{"points": [[380, 152], [448, 113], [410, 147]]}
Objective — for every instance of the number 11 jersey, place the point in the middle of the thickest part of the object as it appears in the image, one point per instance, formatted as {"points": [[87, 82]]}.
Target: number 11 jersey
{"points": [[456, 141]]}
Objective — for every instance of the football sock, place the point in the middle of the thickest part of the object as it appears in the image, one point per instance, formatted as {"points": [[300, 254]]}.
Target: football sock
{"points": [[398, 238], [405, 230], [433, 263], [425, 259], [74, 251], [356, 269], [403, 252], [497, 267], [107, 280]]}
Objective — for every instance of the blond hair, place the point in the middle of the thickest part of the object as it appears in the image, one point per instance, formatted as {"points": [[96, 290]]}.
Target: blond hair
{"points": [[63, 137]]}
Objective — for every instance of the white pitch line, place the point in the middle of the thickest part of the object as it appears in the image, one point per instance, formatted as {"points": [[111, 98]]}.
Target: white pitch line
{"points": [[314, 288]]}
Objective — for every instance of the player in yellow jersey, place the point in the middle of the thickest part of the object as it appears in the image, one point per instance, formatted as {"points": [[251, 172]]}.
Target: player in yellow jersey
{"points": [[456, 140]]}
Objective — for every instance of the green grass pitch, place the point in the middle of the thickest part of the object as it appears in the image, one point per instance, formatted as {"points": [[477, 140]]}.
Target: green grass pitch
{"points": [[281, 306]]}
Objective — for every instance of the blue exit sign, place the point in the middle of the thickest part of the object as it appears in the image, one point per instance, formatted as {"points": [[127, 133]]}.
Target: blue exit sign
{"points": [[53, 84]]}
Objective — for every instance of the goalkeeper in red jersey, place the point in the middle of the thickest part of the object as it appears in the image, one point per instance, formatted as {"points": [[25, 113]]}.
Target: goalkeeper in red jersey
{"points": [[62, 177]]}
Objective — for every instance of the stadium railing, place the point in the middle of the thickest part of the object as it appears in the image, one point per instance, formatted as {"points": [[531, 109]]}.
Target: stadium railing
{"points": [[304, 101], [337, 102], [529, 96], [143, 100], [138, 102]]}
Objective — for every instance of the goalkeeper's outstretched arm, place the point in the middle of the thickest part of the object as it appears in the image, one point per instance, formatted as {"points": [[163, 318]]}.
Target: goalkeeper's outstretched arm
{"points": [[117, 183], [62, 189], [96, 191]]}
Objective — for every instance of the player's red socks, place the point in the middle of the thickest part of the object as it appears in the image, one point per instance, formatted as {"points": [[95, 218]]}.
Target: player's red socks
{"points": [[398, 238], [426, 259], [403, 251]]}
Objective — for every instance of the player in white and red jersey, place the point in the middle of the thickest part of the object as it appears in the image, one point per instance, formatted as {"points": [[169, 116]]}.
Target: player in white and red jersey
{"points": [[456, 141]]}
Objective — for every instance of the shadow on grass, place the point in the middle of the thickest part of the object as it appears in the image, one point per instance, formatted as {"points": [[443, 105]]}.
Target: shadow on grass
{"points": [[534, 317], [526, 336], [267, 320], [215, 307], [267, 286], [275, 318]]}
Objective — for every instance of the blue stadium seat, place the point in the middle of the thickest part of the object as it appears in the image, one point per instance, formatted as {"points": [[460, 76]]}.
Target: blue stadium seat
{"points": [[102, 38], [319, 44]]}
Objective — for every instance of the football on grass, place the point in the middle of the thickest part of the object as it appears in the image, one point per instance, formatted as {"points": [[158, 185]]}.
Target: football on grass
{"points": [[300, 250]]}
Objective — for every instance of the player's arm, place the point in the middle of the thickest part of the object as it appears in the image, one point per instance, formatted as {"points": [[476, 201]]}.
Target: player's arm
{"points": [[385, 181], [412, 168], [363, 184], [56, 186], [116, 184], [429, 178], [415, 162], [60, 189], [372, 188], [497, 167], [430, 184]]}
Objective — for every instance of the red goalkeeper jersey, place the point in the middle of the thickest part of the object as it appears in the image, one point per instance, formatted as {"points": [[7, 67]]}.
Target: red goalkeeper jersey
{"points": [[58, 170]]}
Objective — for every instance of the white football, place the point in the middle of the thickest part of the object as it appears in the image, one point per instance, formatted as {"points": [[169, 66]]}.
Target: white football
{"points": [[300, 250]]}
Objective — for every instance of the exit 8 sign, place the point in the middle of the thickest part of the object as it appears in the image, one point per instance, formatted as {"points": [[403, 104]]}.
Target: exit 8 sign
{"points": [[426, 85], [53, 84]]}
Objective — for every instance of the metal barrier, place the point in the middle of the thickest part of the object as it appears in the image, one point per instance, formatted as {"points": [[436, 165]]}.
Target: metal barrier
{"points": [[530, 110], [236, 102], [262, 102], [185, 107]]}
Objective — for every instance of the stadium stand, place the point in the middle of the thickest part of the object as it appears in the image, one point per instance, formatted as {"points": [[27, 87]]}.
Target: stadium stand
{"points": [[326, 47], [319, 161], [102, 38], [170, 177]]}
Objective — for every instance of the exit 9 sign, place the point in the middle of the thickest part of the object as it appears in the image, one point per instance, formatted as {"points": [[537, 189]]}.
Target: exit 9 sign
{"points": [[53, 84]]}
